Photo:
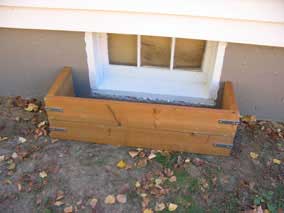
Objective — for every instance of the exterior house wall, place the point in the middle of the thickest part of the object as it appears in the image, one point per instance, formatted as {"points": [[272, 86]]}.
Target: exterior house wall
{"points": [[257, 73], [30, 60]]}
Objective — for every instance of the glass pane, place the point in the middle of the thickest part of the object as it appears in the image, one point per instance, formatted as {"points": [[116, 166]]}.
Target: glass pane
{"points": [[122, 49], [188, 53], [156, 51]]}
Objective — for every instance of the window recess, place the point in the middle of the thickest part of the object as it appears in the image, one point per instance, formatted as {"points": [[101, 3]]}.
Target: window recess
{"points": [[155, 67]]}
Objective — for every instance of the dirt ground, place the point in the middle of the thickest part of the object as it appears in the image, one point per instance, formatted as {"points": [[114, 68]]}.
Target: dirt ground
{"points": [[40, 174]]}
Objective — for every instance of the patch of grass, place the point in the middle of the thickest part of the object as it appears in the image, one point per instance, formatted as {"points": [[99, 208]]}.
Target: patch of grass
{"points": [[100, 162], [279, 196], [167, 161], [187, 204], [273, 200], [184, 180], [230, 204], [193, 185]]}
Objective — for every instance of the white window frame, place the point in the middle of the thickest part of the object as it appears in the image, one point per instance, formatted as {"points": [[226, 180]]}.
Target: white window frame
{"points": [[153, 82]]}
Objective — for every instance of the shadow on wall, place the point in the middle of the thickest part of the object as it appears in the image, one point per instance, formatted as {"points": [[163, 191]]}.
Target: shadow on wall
{"points": [[257, 74], [31, 59]]}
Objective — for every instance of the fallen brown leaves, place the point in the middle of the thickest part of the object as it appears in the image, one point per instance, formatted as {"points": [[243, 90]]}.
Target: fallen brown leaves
{"points": [[42, 129], [154, 185], [110, 199], [3, 138]]}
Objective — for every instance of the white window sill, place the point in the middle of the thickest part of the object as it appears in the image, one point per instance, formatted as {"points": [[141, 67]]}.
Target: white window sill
{"points": [[193, 93]]}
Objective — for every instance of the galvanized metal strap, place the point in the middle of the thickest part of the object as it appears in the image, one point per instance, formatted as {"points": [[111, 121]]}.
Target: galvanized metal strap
{"points": [[54, 109], [58, 129], [223, 145], [230, 122]]}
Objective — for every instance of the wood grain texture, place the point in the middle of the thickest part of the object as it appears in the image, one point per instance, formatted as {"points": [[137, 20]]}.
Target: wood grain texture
{"points": [[122, 49], [229, 100], [189, 53], [157, 126], [142, 115], [63, 84], [156, 51], [138, 137]]}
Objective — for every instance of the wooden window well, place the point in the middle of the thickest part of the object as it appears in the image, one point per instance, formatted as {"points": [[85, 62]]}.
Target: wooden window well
{"points": [[156, 126]]}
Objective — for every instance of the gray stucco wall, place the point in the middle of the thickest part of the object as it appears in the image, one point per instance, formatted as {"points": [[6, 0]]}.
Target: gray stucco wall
{"points": [[30, 60], [257, 73]]}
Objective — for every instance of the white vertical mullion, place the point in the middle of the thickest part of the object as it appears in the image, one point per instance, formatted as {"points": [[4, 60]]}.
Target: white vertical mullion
{"points": [[138, 50], [172, 53]]}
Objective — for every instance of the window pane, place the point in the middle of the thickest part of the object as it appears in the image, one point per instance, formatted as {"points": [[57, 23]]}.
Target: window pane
{"points": [[122, 49], [188, 53], [156, 51]]}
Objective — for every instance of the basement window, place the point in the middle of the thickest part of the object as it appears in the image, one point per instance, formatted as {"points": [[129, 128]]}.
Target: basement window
{"points": [[154, 67]]}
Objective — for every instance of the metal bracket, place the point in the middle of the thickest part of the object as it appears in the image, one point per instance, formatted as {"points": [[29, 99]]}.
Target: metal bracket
{"points": [[230, 122], [223, 145], [54, 109], [58, 129]]}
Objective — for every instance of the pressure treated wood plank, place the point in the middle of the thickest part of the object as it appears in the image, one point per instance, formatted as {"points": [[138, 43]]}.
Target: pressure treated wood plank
{"points": [[147, 138], [63, 84], [229, 100], [142, 115]]}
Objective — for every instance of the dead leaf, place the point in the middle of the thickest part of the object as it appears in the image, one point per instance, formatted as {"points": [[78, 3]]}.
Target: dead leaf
{"points": [[173, 179], [158, 181], [42, 124], [276, 161], [7, 181], [93, 202], [59, 203], [137, 184], [54, 140], [151, 156], [19, 186], [160, 207], [141, 163], [32, 107], [133, 154], [172, 207], [187, 160], [43, 174], [11, 166], [59, 195], [121, 164], [79, 202], [110, 199], [2, 158], [143, 195], [22, 139], [145, 202], [168, 172], [148, 211], [3, 138], [253, 155], [248, 118], [121, 198], [142, 154], [68, 209], [14, 155]]}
